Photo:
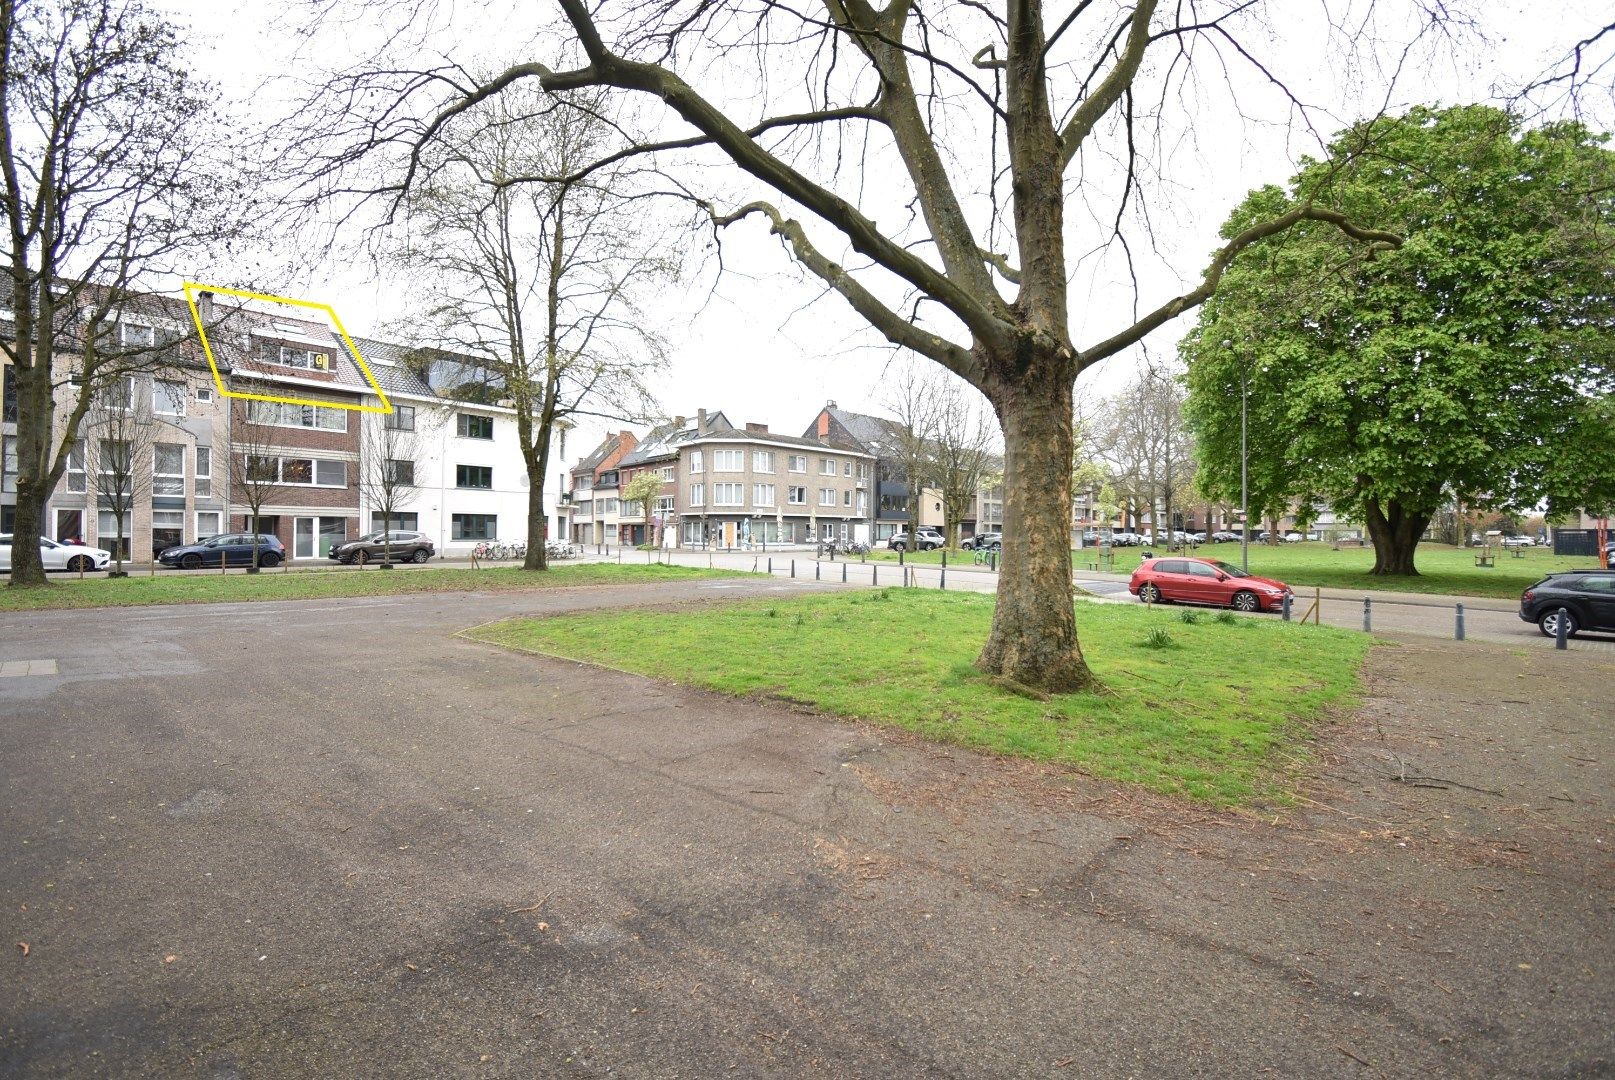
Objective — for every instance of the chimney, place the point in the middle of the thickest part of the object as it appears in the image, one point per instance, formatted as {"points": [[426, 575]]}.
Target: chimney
{"points": [[758, 429], [700, 421], [678, 423], [830, 404], [204, 306], [824, 420]]}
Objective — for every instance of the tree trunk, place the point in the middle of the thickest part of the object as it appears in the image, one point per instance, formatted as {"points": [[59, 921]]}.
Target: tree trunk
{"points": [[1396, 533], [27, 570], [1034, 633], [537, 554], [536, 458]]}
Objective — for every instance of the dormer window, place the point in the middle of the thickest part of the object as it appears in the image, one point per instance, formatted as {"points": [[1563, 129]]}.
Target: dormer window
{"points": [[137, 335], [286, 356]]}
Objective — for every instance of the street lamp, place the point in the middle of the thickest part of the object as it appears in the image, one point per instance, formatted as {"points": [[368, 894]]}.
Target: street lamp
{"points": [[1244, 465]]}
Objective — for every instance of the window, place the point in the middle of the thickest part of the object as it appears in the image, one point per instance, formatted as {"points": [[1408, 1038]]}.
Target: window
{"points": [[204, 393], [797, 462], [762, 495], [284, 414], [168, 470], [402, 418], [113, 476], [698, 494], [846, 498], [863, 470], [406, 522], [827, 496], [695, 461], [8, 391], [728, 460], [331, 473], [473, 476], [728, 494], [863, 502], [472, 426], [207, 524], [473, 526], [167, 529], [796, 496], [827, 466], [168, 398], [297, 470], [669, 472], [137, 335], [846, 468], [121, 394], [304, 472], [262, 470], [8, 467], [204, 472], [395, 471], [297, 358], [762, 461], [664, 505], [112, 532], [633, 508], [608, 506], [1200, 569]]}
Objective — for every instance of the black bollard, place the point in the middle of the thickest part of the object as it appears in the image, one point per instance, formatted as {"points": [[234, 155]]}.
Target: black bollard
{"points": [[1561, 630], [1458, 623], [1368, 617]]}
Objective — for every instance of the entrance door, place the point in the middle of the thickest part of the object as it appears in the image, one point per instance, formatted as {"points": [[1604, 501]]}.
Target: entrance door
{"points": [[314, 537], [69, 525], [303, 538], [728, 534]]}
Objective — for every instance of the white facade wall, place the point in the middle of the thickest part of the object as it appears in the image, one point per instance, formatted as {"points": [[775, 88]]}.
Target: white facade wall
{"points": [[439, 452]]}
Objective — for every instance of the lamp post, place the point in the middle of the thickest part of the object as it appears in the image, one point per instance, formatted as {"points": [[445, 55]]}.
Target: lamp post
{"points": [[1244, 466]]}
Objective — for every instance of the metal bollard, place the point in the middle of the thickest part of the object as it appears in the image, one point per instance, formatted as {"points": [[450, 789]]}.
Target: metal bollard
{"points": [[770, 564], [1368, 616], [944, 571], [843, 573], [1458, 623], [1561, 630], [875, 578], [1286, 609], [816, 565], [793, 567]]}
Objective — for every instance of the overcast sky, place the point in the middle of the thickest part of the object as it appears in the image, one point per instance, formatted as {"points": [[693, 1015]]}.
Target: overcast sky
{"points": [[755, 342]]}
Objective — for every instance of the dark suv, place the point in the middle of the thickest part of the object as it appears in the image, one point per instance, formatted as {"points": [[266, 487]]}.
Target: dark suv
{"points": [[1587, 597], [372, 547], [227, 549]]}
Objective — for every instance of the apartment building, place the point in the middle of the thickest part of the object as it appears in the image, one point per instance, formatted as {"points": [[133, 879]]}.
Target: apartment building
{"points": [[658, 453], [594, 503]]}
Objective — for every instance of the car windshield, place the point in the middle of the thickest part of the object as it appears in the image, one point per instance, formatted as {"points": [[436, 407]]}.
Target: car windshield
{"points": [[1227, 568]]}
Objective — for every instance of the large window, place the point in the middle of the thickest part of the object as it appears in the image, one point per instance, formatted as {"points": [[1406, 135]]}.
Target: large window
{"points": [[114, 476], [168, 398], [607, 507], [473, 526], [287, 356], [402, 418], [207, 524], [827, 466], [728, 494], [473, 476], [399, 522], [664, 505], [8, 467], [302, 472], [728, 460], [331, 473], [8, 392], [168, 471], [120, 394], [762, 461], [797, 462], [827, 496], [75, 467], [669, 472], [472, 426], [112, 532], [204, 472], [762, 494], [698, 494], [696, 464], [167, 529], [284, 414], [399, 472], [863, 470], [137, 335], [796, 496]]}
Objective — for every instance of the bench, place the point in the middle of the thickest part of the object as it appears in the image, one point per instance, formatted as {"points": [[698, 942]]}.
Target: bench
{"points": [[1346, 543]]}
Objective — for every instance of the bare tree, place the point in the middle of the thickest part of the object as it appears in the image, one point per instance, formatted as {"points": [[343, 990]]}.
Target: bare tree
{"points": [[388, 454], [913, 397], [121, 432], [1147, 450], [107, 178], [541, 284], [255, 471], [960, 253], [963, 455]]}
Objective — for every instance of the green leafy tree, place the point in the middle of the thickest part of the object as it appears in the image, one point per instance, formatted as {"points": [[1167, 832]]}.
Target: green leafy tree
{"points": [[645, 488], [1475, 362]]}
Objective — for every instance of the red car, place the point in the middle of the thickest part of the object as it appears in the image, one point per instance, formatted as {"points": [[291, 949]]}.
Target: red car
{"points": [[1206, 581]]}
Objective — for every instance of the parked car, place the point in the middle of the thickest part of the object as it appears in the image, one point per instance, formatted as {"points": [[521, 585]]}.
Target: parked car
{"points": [[1587, 598], [926, 538], [988, 541], [1225, 537], [1206, 581], [1125, 539], [226, 549], [57, 556], [405, 546], [1518, 542], [1293, 538]]}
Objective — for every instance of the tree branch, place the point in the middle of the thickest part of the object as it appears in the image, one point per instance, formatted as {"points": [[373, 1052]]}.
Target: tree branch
{"points": [[1104, 98]]}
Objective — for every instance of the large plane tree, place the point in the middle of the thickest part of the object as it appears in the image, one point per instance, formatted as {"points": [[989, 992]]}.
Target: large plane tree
{"points": [[921, 161]]}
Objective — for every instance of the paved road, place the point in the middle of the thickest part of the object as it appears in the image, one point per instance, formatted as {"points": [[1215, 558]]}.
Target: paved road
{"points": [[330, 839], [1392, 614]]}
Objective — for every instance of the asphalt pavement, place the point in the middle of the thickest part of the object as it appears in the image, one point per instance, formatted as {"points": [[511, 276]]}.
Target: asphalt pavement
{"points": [[329, 838]]}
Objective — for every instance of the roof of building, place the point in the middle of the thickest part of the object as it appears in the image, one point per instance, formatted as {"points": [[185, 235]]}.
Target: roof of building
{"points": [[737, 434], [663, 440], [387, 362]]}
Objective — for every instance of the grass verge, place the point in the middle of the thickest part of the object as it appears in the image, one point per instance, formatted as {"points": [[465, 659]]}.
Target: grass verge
{"points": [[274, 585], [1218, 711]]}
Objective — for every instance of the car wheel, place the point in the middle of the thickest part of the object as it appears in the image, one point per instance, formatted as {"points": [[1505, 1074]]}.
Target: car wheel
{"points": [[1149, 594], [1549, 623], [899, 547], [361, 556], [269, 560], [420, 556], [79, 564], [995, 547], [1245, 600], [193, 561]]}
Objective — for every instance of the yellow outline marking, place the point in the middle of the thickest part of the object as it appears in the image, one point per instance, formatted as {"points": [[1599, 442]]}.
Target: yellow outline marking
{"points": [[385, 407]]}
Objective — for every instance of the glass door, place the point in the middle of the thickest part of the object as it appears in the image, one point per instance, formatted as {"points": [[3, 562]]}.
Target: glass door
{"points": [[333, 531], [303, 539]]}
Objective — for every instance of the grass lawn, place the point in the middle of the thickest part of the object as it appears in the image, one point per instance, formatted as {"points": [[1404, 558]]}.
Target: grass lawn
{"points": [[1221, 714], [1442, 569], [314, 585]]}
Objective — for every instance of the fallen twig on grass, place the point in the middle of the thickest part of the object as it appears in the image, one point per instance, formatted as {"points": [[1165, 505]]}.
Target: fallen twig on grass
{"points": [[1432, 781]]}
